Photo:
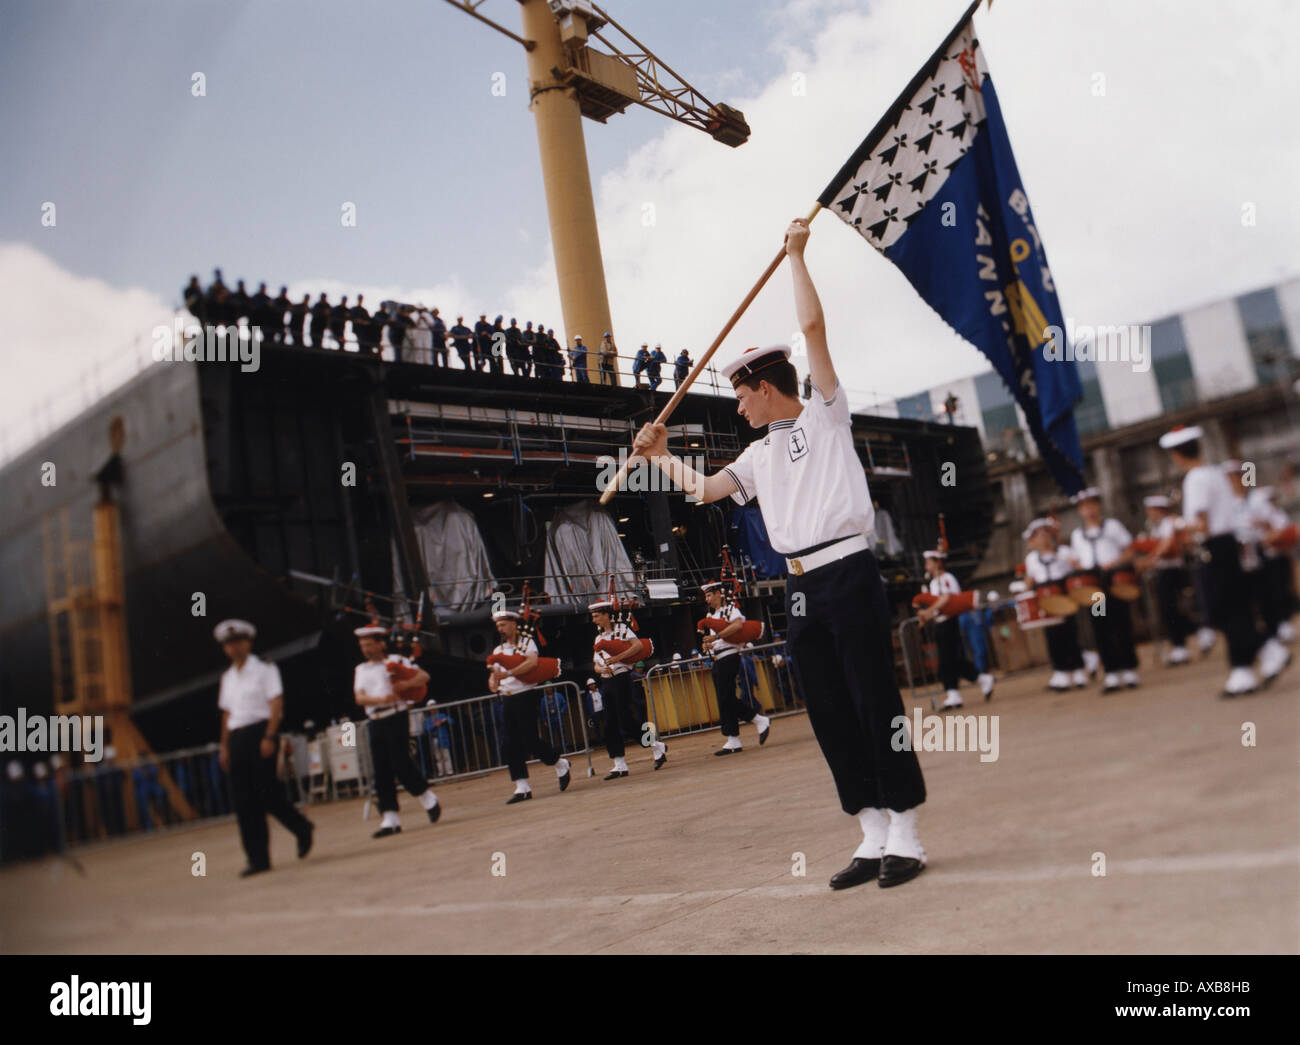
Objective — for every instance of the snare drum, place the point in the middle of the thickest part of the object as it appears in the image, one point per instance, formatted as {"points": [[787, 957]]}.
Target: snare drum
{"points": [[1030, 613], [1082, 585], [1122, 582], [1052, 597]]}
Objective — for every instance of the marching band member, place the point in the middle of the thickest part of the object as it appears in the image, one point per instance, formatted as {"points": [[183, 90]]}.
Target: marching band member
{"points": [[1102, 544], [1256, 520], [726, 672], [251, 702], [1209, 511], [1047, 563], [1171, 575], [953, 662], [386, 705], [1277, 560], [1091, 658], [522, 708], [616, 691], [812, 491]]}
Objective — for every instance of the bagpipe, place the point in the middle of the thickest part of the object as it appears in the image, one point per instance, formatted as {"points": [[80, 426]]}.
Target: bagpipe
{"points": [[959, 602], [750, 630], [621, 612], [1285, 539], [403, 643], [546, 668]]}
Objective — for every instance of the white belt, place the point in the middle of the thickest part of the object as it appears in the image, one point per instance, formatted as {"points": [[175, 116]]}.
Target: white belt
{"points": [[833, 553]]}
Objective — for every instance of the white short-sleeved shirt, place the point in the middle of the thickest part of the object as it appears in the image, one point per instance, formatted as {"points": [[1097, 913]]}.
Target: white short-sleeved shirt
{"points": [[372, 679], [1267, 516], [603, 663], [524, 648], [724, 647], [1167, 527], [247, 692], [944, 584], [1208, 490], [807, 477], [1044, 569], [1097, 549]]}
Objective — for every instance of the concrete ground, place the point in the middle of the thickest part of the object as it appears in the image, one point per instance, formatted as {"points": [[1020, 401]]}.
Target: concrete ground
{"points": [[1200, 835]]}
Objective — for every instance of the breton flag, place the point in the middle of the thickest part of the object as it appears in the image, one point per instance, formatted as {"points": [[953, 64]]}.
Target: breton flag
{"points": [[934, 188]]}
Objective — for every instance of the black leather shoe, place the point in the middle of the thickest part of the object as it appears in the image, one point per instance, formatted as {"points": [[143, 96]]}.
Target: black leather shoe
{"points": [[659, 762], [247, 871], [729, 751], [860, 870], [565, 780], [384, 832], [519, 796], [762, 737], [435, 812], [614, 774], [895, 870], [304, 840]]}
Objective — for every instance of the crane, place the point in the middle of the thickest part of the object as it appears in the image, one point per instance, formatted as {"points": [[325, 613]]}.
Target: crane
{"points": [[569, 79]]}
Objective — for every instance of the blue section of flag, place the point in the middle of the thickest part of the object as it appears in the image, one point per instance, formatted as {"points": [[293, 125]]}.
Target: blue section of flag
{"points": [[980, 264]]}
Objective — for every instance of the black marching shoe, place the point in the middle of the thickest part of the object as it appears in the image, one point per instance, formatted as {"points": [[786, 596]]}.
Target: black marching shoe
{"points": [[762, 737], [566, 779], [248, 871], [304, 840], [519, 796], [384, 832], [895, 870], [729, 751], [614, 774], [860, 870], [435, 812], [659, 762]]}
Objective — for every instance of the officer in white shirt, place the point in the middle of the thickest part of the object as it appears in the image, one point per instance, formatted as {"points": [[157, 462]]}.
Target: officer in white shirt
{"points": [[1209, 511], [812, 490], [726, 672], [616, 690], [953, 662], [1100, 545], [522, 707], [252, 703], [1171, 575], [389, 727], [1279, 582], [1048, 563]]}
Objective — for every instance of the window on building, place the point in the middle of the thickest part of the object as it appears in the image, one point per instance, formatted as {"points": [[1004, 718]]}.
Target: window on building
{"points": [[1090, 412], [915, 407], [1172, 365], [1266, 335]]}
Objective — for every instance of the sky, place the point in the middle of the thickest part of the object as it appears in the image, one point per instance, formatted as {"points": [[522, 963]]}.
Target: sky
{"points": [[1143, 130]]}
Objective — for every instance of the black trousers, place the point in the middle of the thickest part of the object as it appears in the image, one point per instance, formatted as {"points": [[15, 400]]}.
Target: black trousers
{"points": [[1271, 594], [731, 709], [953, 662], [522, 739], [390, 751], [1063, 646], [256, 792], [1281, 583], [1114, 632], [1170, 583], [843, 654], [620, 717], [1227, 593]]}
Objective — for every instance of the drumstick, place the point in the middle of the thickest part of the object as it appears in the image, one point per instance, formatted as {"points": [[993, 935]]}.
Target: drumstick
{"points": [[698, 369]]}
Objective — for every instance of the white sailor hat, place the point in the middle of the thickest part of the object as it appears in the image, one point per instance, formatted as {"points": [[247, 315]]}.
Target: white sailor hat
{"points": [[1157, 500], [936, 553], [1035, 526], [711, 586], [1230, 466], [505, 615], [1180, 434], [601, 605], [591, 682], [372, 631], [228, 630], [1088, 493], [753, 360]]}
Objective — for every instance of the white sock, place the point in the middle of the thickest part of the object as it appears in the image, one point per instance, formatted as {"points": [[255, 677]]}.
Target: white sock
{"points": [[731, 742], [561, 767], [429, 799], [903, 839], [762, 722], [522, 787], [658, 748], [875, 830], [390, 820], [620, 764]]}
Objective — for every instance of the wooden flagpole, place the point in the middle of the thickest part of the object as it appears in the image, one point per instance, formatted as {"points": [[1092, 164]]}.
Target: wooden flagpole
{"points": [[698, 369]]}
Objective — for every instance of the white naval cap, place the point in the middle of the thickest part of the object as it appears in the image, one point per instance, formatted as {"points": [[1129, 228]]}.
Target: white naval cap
{"points": [[505, 615], [1157, 500], [370, 631], [591, 682], [601, 605], [711, 586], [936, 553], [753, 360], [1180, 434], [1035, 526], [229, 630], [1229, 466], [1089, 493]]}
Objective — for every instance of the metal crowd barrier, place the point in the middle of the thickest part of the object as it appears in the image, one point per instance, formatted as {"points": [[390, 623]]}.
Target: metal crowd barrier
{"points": [[680, 698]]}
